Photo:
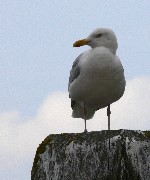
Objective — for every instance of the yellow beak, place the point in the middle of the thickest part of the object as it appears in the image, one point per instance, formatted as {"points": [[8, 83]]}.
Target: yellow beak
{"points": [[81, 42]]}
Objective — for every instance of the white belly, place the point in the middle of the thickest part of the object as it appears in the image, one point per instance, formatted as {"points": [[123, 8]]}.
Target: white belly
{"points": [[101, 80]]}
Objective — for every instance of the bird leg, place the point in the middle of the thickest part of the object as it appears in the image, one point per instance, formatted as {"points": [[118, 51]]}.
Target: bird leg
{"points": [[108, 114], [84, 113]]}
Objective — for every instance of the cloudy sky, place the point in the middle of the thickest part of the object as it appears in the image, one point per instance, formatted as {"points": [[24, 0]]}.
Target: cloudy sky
{"points": [[36, 55]]}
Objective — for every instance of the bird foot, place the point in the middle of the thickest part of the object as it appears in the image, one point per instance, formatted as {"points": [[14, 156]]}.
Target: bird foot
{"points": [[85, 131]]}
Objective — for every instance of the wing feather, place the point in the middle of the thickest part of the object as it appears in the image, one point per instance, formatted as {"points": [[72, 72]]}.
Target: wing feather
{"points": [[75, 71]]}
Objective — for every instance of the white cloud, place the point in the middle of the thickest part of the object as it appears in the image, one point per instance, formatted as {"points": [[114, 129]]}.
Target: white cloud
{"points": [[19, 138]]}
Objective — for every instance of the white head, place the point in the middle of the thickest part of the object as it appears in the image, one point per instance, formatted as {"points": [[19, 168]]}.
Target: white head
{"points": [[100, 37]]}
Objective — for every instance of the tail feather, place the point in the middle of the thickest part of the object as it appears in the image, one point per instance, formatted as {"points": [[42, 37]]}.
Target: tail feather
{"points": [[78, 111]]}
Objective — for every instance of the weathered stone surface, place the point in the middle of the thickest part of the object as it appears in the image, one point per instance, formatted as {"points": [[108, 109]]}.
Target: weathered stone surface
{"points": [[86, 156]]}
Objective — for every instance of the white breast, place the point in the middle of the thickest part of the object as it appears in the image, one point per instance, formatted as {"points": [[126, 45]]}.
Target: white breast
{"points": [[101, 80]]}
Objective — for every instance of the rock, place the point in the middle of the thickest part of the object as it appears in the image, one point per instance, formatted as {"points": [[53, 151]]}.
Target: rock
{"points": [[91, 156]]}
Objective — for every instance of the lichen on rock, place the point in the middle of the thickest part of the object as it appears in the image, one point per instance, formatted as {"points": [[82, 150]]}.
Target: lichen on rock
{"points": [[87, 156]]}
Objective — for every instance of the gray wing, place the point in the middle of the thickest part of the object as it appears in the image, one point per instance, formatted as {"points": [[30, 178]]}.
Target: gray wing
{"points": [[75, 71]]}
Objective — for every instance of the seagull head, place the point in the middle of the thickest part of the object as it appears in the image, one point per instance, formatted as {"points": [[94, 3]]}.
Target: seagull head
{"points": [[98, 38]]}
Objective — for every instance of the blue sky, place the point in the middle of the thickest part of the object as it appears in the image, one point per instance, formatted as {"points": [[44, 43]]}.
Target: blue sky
{"points": [[36, 55], [36, 44]]}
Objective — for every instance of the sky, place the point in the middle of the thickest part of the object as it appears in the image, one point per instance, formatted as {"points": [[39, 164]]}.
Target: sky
{"points": [[36, 55]]}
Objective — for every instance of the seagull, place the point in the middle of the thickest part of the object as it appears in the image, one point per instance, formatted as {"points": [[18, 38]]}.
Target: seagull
{"points": [[97, 76]]}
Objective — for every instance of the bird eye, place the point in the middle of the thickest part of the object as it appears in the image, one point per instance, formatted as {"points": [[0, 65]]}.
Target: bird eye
{"points": [[98, 35]]}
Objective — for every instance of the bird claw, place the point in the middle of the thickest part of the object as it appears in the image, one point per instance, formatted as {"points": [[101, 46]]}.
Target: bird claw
{"points": [[85, 131]]}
